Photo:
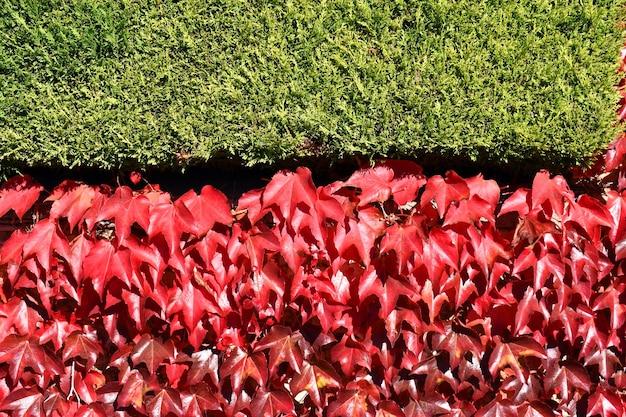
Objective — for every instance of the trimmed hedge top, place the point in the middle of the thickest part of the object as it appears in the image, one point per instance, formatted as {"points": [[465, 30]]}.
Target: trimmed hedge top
{"points": [[132, 83]]}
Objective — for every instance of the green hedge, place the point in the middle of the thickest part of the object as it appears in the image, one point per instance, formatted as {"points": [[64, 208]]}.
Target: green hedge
{"points": [[129, 83]]}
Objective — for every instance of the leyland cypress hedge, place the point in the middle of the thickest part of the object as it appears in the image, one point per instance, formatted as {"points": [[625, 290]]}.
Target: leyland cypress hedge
{"points": [[147, 83]]}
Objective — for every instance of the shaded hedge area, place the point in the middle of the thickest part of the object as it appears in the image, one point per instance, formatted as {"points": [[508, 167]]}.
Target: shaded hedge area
{"points": [[140, 84]]}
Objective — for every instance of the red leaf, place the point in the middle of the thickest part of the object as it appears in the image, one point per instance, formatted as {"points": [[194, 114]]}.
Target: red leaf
{"points": [[91, 410], [151, 352], [198, 400], [239, 366], [605, 402], [208, 208], [19, 194], [427, 406], [487, 190], [205, 362], [16, 314], [406, 241], [387, 294], [519, 201], [24, 352], [71, 200], [615, 154], [57, 331], [84, 346], [271, 403], [457, 345], [566, 379], [43, 241], [104, 262], [498, 408], [472, 211], [616, 204], [356, 242], [290, 191], [167, 225], [553, 191], [606, 360], [389, 409], [133, 391], [535, 409], [378, 184], [193, 303], [508, 354], [315, 379], [24, 403], [135, 177], [283, 346], [126, 209], [165, 403], [441, 192], [590, 215], [351, 355], [351, 403]]}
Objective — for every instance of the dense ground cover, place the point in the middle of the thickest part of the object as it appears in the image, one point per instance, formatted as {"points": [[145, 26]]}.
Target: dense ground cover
{"points": [[388, 294], [109, 83]]}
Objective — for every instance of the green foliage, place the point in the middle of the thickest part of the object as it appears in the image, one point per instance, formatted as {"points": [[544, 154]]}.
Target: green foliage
{"points": [[138, 83]]}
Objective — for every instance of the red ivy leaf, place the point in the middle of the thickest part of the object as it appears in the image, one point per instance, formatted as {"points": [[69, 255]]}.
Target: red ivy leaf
{"points": [[389, 409], [83, 346], [378, 184], [104, 262], [151, 352], [457, 345], [205, 362], [208, 208], [271, 403], [283, 346], [24, 402], [315, 379], [519, 202], [535, 409], [133, 391], [444, 191], [239, 366], [126, 209], [289, 190], [43, 241], [199, 399], [350, 355], [71, 200], [553, 191], [351, 403], [19, 194], [605, 403], [565, 379], [498, 408], [24, 352], [165, 403], [487, 190], [406, 241], [508, 354], [135, 177], [429, 405], [91, 410]]}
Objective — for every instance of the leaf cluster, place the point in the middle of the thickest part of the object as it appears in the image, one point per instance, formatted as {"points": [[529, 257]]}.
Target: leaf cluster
{"points": [[114, 84], [389, 293]]}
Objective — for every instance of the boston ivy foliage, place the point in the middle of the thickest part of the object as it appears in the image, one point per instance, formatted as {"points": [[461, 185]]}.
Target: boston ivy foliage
{"points": [[389, 293]]}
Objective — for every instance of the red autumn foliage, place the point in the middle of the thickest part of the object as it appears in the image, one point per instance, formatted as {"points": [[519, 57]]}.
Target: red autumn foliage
{"points": [[388, 294]]}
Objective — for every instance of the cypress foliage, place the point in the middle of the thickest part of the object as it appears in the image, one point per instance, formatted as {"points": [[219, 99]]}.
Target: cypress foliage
{"points": [[142, 83]]}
